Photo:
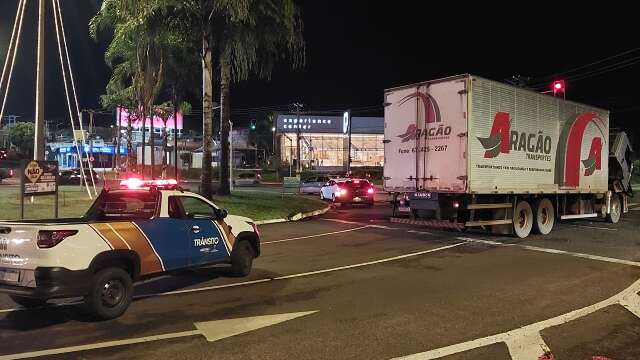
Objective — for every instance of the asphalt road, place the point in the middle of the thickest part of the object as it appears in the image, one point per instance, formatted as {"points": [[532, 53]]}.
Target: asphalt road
{"points": [[351, 285]]}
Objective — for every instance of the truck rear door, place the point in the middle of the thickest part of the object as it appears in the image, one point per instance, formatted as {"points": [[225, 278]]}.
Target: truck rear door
{"points": [[426, 136]]}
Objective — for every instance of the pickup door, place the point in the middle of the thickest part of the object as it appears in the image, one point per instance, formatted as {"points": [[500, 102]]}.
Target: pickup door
{"points": [[205, 241]]}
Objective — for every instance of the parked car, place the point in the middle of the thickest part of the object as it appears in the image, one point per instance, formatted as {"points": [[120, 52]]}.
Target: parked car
{"points": [[313, 185], [73, 176], [247, 179], [5, 173]]}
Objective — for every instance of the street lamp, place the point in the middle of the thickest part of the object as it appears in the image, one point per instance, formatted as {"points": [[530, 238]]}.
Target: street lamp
{"points": [[273, 137]]}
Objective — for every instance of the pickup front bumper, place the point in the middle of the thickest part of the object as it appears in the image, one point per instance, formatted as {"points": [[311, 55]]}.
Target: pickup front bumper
{"points": [[51, 283]]}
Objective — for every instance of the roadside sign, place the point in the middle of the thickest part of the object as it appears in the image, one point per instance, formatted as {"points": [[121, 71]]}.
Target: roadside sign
{"points": [[291, 184], [38, 178]]}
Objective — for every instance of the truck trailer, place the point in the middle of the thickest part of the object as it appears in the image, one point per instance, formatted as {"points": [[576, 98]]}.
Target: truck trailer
{"points": [[465, 151]]}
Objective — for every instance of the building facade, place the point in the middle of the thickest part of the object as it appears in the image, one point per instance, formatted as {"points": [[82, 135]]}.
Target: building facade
{"points": [[324, 140]]}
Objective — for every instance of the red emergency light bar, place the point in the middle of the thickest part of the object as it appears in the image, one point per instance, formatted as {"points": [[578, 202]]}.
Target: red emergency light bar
{"points": [[135, 184]]}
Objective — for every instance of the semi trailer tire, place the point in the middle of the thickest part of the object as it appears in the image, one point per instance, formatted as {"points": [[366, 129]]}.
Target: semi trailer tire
{"points": [[522, 219], [616, 209], [544, 216]]}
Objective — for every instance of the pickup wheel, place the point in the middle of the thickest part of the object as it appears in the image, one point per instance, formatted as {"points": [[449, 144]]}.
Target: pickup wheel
{"points": [[110, 293], [28, 302], [242, 259]]}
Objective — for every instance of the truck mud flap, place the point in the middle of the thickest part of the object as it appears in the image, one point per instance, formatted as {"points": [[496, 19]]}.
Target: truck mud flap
{"points": [[440, 224]]}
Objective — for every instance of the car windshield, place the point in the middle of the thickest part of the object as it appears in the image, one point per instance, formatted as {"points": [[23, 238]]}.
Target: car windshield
{"points": [[124, 205]]}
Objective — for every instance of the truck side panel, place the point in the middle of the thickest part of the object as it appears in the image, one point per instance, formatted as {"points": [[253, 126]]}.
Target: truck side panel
{"points": [[524, 142]]}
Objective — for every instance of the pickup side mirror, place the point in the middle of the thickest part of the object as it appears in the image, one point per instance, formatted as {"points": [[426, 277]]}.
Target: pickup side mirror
{"points": [[221, 214]]}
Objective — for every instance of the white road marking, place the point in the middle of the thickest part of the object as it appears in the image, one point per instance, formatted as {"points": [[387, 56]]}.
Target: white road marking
{"points": [[368, 262], [553, 251], [211, 330], [383, 227], [343, 221], [593, 227], [513, 335], [526, 346], [220, 329], [632, 303], [315, 235], [258, 281], [206, 288], [419, 232]]}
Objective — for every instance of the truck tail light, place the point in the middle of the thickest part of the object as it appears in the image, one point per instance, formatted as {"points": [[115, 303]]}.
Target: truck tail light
{"points": [[456, 204], [50, 238], [10, 172], [370, 191]]}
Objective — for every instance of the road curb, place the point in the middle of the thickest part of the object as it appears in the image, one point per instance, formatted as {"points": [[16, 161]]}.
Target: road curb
{"points": [[295, 217]]}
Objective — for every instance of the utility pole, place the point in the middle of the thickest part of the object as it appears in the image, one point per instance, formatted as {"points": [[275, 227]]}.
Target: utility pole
{"points": [[230, 155], [91, 112], [298, 107], [346, 120], [38, 143], [118, 139]]}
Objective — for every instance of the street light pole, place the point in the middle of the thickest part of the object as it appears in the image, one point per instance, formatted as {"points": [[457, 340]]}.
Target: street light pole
{"points": [[38, 143], [290, 151], [298, 106]]}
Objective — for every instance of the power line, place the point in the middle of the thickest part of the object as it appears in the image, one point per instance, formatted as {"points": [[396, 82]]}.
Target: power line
{"points": [[13, 60], [620, 64], [593, 63]]}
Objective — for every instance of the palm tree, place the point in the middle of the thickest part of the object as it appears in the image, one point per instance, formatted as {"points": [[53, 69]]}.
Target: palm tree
{"points": [[135, 51], [270, 31]]}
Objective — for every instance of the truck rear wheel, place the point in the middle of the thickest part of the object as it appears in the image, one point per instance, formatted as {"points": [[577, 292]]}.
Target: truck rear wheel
{"points": [[544, 216], [616, 209], [522, 219], [110, 293]]}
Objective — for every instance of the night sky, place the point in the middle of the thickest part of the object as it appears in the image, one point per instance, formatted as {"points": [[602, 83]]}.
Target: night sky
{"points": [[356, 49]]}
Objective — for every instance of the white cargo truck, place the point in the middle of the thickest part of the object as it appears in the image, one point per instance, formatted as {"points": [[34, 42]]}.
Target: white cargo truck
{"points": [[465, 151]]}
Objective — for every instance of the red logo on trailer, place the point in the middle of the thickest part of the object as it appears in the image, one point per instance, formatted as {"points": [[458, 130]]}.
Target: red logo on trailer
{"points": [[431, 109], [498, 140], [502, 140]]}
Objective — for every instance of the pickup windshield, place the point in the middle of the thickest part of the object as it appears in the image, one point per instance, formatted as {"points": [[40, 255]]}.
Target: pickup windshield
{"points": [[124, 205]]}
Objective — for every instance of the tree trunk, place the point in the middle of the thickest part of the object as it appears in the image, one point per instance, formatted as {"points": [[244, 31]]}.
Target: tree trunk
{"points": [[144, 141], [175, 135], [165, 143], [152, 144], [130, 142], [225, 127], [118, 141], [207, 116]]}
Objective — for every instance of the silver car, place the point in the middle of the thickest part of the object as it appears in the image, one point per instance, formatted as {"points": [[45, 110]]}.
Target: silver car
{"points": [[313, 185]]}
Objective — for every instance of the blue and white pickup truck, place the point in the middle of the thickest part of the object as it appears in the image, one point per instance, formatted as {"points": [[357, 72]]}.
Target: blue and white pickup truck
{"points": [[144, 230]]}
